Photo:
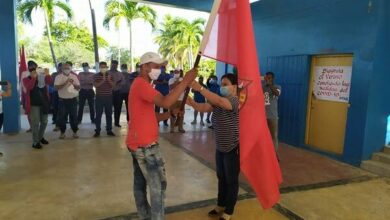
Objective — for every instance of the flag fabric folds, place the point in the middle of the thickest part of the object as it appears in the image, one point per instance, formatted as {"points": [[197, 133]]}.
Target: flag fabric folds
{"points": [[229, 37]]}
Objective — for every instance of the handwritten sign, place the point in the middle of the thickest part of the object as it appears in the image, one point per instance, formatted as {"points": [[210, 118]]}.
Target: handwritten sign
{"points": [[333, 83]]}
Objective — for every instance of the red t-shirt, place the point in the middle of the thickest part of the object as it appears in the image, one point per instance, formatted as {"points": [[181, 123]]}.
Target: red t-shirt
{"points": [[143, 127]]}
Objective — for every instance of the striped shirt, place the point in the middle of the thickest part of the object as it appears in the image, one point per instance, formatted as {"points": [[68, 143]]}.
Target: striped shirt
{"points": [[105, 89], [226, 125]]}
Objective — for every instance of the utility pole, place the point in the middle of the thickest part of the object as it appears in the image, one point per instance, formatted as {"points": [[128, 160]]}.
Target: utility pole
{"points": [[95, 41]]}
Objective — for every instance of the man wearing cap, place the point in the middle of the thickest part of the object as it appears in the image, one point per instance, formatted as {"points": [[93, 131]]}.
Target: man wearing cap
{"points": [[86, 93], [142, 134]]}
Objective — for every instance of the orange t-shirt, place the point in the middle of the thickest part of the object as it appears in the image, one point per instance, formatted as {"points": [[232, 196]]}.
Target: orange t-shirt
{"points": [[143, 127]]}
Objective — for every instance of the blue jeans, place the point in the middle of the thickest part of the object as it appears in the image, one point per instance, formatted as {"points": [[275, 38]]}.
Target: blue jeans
{"points": [[149, 170], [103, 103]]}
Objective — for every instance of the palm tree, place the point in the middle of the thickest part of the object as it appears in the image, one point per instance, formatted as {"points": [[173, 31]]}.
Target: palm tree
{"points": [[179, 39], [26, 7], [128, 10]]}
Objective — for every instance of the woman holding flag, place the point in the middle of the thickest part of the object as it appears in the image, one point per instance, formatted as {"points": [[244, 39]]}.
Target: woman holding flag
{"points": [[226, 127]]}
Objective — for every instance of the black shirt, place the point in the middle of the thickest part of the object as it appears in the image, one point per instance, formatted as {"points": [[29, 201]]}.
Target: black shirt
{"points": [[37, 95]]}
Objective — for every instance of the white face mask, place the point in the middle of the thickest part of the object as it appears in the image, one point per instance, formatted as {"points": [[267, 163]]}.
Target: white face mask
{"points": [[154, 74], [86, 69], [177, 76], [104, 70], [67, 71]]}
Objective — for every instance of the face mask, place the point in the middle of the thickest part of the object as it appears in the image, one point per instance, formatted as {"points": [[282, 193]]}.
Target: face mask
{"points": [[177, 76], [212, 81], [224, 90], [31, 69], [67, 71], [124, 70], [41, 81], [154, 74], [104, 70], [86, 69]]}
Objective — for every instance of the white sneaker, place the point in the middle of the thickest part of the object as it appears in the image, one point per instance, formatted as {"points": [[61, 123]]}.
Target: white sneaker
{"points": [[62, 136], [75, 136]]}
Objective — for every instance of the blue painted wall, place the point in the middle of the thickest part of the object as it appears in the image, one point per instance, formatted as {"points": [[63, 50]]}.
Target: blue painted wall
{"points": [[291, 28]]}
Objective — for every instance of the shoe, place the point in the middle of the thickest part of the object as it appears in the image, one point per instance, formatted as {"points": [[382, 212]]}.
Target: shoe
{"points": [[211, 127], [225, 217], [213, 213], [75, 136], [110, 133], [44, 141], [166, 124], [118, 125], [182, 131], [97, 134], [37, 146], [201, 123], [193, 122], [29, 130], [208, 121], [56, 129], [62, 136]]}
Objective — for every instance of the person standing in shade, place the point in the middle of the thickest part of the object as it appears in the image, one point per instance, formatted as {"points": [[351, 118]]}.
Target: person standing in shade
{"points": [[55, 98], [124, 90], [103, 83], [178, 120], [68, 87], [86, 93], [3, 94], [38, 102], [199, 98], [142, 137], [225, 119], [271, 96], [163, 87], [117, 78]]}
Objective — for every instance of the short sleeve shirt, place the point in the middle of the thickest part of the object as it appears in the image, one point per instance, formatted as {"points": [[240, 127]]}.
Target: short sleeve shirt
{"points": [[271, 101], [67, 92], [143, 127]]}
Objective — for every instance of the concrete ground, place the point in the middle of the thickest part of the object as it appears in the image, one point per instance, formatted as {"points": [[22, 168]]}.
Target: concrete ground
{"points": [[91, 178]]}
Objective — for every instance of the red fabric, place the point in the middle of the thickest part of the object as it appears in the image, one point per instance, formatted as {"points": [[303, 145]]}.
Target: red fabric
{"points": [[22, 62], [29, 83], [235, 44], [143, 127]]}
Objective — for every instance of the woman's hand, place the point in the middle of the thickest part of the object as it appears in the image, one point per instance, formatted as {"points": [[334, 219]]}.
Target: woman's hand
{"points": [[196, 86]]}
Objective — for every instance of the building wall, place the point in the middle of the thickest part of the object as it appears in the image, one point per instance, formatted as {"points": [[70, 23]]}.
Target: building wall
{"points": [[285, 28]]}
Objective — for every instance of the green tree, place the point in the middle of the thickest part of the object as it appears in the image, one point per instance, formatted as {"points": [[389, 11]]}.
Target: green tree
{"points": [[179, 39], [63, 32], [128, 10], [26, 7]]}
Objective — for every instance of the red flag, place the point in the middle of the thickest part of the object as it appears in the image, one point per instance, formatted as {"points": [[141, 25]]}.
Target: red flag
{"points": [[229, 37], [22, 62]]}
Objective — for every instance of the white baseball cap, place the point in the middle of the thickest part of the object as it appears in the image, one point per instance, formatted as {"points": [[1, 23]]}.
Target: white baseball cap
{"points": [[151, 57]]}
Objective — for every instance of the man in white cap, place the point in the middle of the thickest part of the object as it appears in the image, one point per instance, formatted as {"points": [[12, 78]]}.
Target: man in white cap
{"points": [[143, 135]]}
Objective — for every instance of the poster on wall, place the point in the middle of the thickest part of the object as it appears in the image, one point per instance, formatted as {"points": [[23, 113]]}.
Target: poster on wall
{"points": [[333, 83]]}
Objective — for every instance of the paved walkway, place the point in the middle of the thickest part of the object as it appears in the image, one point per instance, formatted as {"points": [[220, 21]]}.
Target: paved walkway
{"points": [[89, 178]]}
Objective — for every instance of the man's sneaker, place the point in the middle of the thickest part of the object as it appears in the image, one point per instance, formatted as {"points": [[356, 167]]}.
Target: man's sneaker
{"points": [[110, 133], [118, 125], [182, 131], [208, 121], [29, 130], [62, 136], [75, 135], [193, 122], [201, 123], [44, 141], [97, 134], [56, 129], [37, 146]]}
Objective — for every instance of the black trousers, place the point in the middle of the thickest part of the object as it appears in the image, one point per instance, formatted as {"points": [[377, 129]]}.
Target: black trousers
{"points": [[1, 120], [118, 99], [55, 103], [86, 95], [67, 108], [228, 169]]}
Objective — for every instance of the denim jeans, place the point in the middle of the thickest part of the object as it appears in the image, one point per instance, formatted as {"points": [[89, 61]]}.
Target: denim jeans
{"points": [[149, 170], [67, 108], [86, 95], [38, 123], [103, 103], [273, 129], [228, 169]]}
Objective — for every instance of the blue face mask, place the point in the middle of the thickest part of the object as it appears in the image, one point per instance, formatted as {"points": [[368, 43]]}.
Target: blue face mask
{"points": [[224, 91]]}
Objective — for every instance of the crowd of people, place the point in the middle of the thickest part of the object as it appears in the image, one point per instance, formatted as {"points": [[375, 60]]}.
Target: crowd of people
{"points": [[151, 95]]}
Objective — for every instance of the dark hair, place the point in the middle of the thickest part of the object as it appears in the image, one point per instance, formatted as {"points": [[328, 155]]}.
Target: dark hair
{"points": [[59, 65], [102, 63], [270, 73], [137, 65], [70, 63], [84, 64], [114, 62], [231, 77], [124, 66], [31, 63]]}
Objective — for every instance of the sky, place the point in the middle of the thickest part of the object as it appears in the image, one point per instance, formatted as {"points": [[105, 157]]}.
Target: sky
{"points": [[142, 32]]}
